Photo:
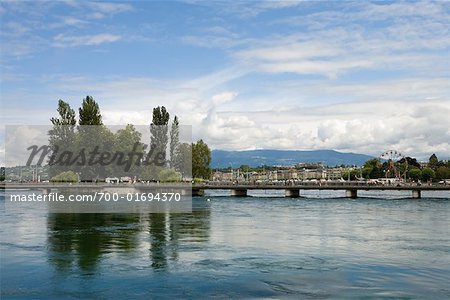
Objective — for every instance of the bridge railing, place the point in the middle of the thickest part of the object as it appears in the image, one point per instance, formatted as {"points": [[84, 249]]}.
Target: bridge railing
{"points": [[312, 183]]}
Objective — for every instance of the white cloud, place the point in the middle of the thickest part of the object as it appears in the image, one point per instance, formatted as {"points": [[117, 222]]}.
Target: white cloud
{"points": [[16, 28], [405, 89], [19, 138], [269, 4], [371, 77], [211, 41], [247, 9], [216, 37], [381, 11], [2, 155], [96, 15], [109, 7], [16, 49], [409, 127], [334, 43], [367, 124], [99, 10], [121, 117], [291, 50], [336, 51], [223, 98], [72, 21], [327, 68], [62, 40]]}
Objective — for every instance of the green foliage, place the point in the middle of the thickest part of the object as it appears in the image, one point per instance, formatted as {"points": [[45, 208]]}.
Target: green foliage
{"points": [[156, 173], [174, 140], [159, 129], [414, 174], [372, 169], [433, 162], [201, 159], [442, 173], [354, 174], [160, 116], [90, 112], [95, 139], [169, 175], [410, 161], [67, 176], [150, 173], [402, 168], [127, 141], [245, 168], [186, 159], [264, 168], [126, 138], [427, 174], [372, 163], [66, 115], [441, 168], [183, 159], [62, 135], [88, 139]]}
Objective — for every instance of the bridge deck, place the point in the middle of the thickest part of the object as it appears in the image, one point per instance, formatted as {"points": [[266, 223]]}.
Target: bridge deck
{"points": [[334, 186], [323, 187]]}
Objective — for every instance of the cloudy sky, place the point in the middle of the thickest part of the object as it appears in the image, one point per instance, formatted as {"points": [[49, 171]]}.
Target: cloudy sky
{"points": [[352, 76]]}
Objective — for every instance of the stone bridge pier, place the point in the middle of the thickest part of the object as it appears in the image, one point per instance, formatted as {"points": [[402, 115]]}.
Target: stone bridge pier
{"points": [[351, 193], [292, 193], [239, 192]]}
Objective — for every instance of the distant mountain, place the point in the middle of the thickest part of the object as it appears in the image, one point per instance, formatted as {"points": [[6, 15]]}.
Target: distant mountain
{"points": [[254, 158]]}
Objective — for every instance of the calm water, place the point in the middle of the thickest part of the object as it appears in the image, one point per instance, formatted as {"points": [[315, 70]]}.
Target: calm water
{"points": [[255, 247]]}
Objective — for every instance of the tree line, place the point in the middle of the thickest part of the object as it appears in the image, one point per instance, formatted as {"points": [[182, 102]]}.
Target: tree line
{"points": [[407, 168], [181, 160]]}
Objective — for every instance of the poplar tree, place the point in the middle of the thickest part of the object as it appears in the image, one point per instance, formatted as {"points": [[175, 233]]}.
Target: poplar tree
{"points": [[174, 139], [158, 130], [62, 134], [90, 112], [93, 137], [201, 158]]}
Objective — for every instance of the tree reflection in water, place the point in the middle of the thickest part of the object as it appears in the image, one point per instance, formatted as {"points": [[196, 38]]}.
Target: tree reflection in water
{"points": [[168, 230], [83, 240]]}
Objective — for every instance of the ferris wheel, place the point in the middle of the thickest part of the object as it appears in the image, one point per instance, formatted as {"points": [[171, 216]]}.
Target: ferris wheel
{"points": [[392, 156]]}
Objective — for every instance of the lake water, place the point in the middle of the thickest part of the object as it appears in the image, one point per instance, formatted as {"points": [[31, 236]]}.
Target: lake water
{"points": [[322, 246]]}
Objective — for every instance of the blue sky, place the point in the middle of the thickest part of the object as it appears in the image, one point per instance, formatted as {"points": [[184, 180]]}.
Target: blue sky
{"points": [[352, 76]]}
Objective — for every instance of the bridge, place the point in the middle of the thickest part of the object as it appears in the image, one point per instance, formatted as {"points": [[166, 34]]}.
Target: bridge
{"points": [[240, 190], [351, 188]]}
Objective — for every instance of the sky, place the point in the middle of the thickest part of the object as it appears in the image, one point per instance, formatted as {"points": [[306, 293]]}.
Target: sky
{"points": [[360, 77]]}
